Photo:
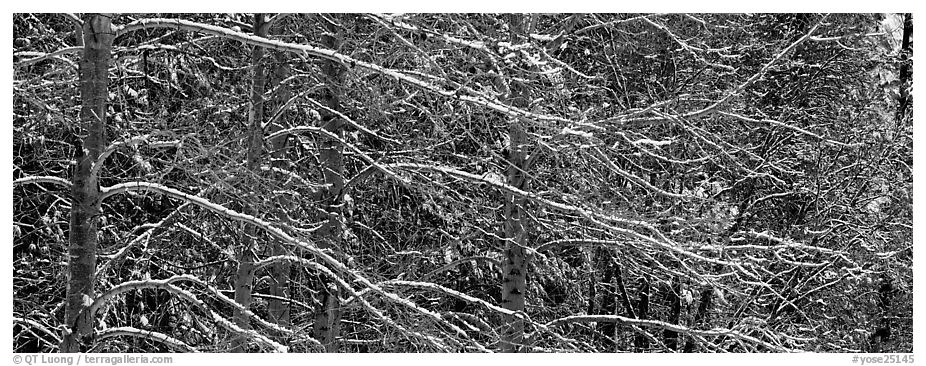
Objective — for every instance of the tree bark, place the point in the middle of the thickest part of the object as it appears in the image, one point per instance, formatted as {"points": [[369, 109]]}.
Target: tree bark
{"points": [[514, 268], [331, 157], [883, 332], [622, 291], [244, 278], [641, 341], [85, 191], [608, 304], [701, 316], [279, 287], [906, 75], [673, 301]]}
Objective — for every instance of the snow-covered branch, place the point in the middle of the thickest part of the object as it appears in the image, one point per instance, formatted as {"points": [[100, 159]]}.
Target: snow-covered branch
{"points": [[145, 334]]}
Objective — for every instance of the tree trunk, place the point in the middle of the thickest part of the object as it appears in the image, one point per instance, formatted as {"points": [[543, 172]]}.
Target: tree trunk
{"points": [[280, 272], [514, 268], [592, 264], [673, 301], [883, 332], [621, 290], [331, 156], [906, 52], [85, 191], [641, 341], [515, 265], [244, 278], [701, 316], [608, 304]]}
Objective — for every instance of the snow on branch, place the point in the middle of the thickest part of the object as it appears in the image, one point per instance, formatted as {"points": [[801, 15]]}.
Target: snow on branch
{"points": [[273, 231], [36, 325], [790, 127], [691, 49], [331, 135], [366, 304], [38, 56], [611, 23], [42, 179], [729, 95], [131, 141], [561, 242], [218, 294], [456, 294], [276, 45], [167, 285], [597, 218], [784, 243], [460, 261], [145, 334], [398, 23], [473, 300], [666, 326], [352, 122], [602, 157]]}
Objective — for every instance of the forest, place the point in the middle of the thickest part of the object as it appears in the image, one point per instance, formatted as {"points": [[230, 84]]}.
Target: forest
{"points": [[651, 183]]}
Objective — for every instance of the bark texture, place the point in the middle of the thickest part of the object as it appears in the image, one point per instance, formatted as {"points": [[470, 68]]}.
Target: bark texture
{"points": [[514, 268], [244, 278], [882, 334], [331, 159], [85, 191], [674, 303], [701, 317], [279, 310], [608, 304], [906, 75], [641, 341]]}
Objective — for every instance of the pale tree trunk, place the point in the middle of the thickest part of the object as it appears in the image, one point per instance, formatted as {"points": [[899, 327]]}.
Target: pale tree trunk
{"points": [[244, 278], [279, 287], [85, 192], [514, 268], [331, 156]]}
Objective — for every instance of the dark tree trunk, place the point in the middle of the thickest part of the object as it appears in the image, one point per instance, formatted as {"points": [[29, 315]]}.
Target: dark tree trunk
{"points": [[701, 316], [331, 157], [279, 287], [244, 277], [622, 291], [883, 332], [641, 341], [85, 191], [608, 303], [673, 301], [906, 74], [592, 286]]}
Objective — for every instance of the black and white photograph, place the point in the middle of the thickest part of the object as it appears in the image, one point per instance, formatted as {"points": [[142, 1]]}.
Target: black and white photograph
{"points": [[461, 182]]}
